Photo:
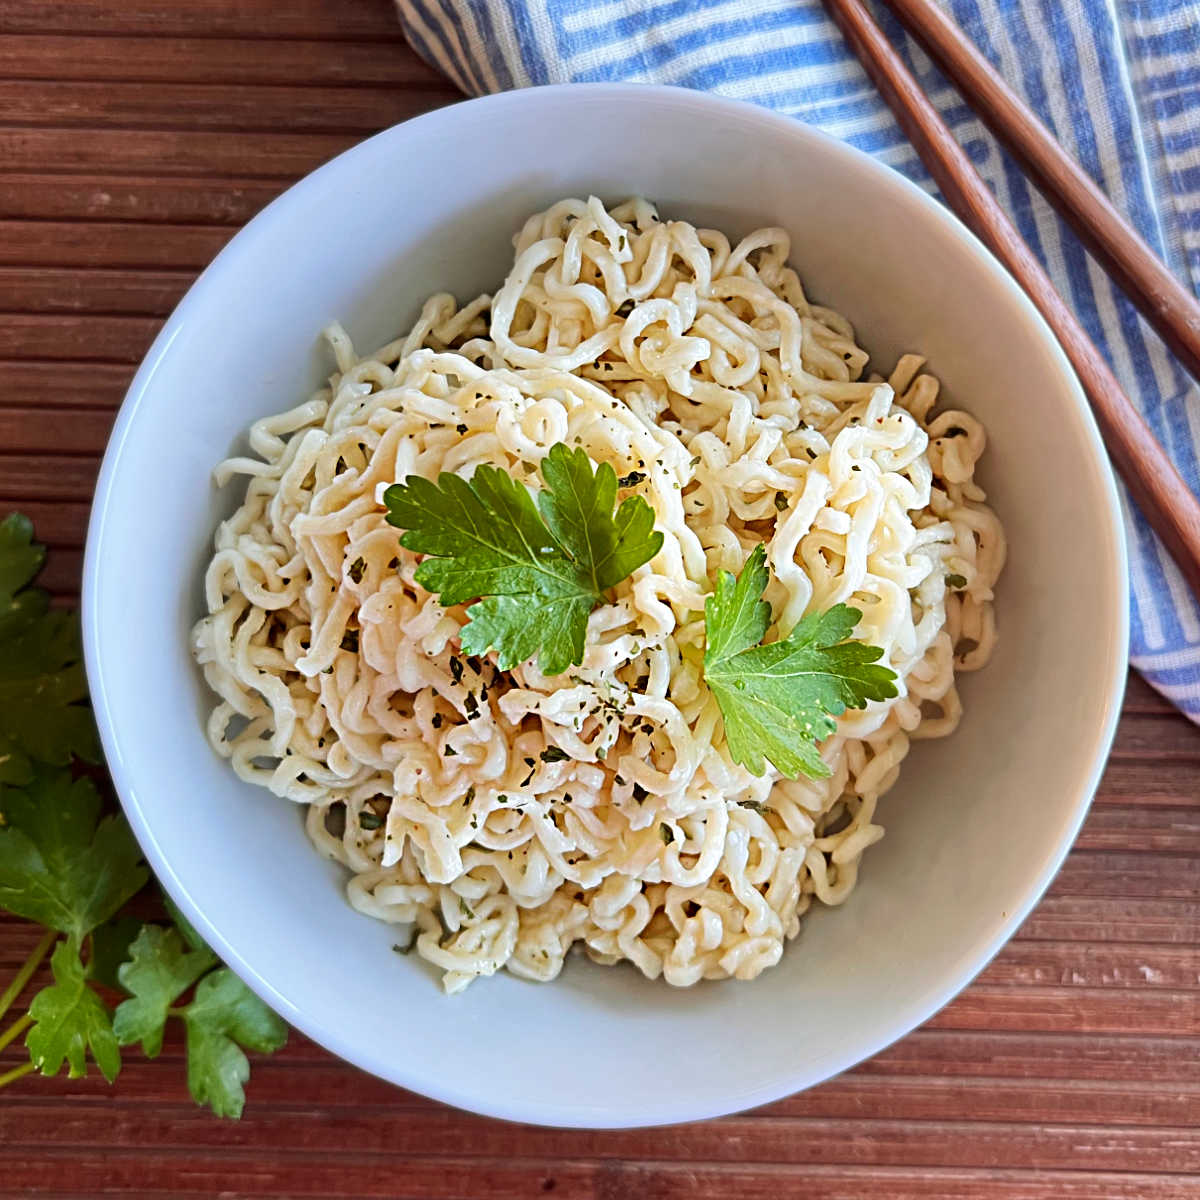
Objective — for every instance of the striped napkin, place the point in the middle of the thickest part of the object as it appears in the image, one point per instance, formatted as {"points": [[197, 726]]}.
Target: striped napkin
{"points": [[1118, 84]]}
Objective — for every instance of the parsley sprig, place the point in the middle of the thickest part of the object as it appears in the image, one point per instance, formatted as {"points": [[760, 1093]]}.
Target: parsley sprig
{"points": [[70, 867], [779, 699], [534, 572]]}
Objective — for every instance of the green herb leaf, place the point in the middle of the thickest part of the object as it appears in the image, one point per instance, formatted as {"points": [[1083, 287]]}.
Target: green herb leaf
{"points": [[41, 667], [185, 927], [70, 1019], [780, 699], [110, 948], [224, 1016], [159, 971], [59, 864], [535, 571]]}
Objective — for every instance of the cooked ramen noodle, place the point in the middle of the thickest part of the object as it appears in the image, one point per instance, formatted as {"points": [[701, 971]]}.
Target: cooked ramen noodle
{"points": [[503, 817]]}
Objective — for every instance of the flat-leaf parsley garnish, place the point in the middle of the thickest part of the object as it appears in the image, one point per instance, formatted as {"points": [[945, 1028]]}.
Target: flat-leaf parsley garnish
{"points": [[535, 572], [68, 866], [780, 699]]}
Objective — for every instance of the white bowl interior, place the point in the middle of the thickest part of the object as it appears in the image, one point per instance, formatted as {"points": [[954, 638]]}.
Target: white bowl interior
{"points": [[977, 824]]}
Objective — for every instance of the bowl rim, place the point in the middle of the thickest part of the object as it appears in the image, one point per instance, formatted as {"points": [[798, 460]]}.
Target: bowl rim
{"points": [[649, 1111]]}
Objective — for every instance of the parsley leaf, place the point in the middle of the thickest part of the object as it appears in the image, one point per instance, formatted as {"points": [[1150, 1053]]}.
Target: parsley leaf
{"points": [[535, 571], [110, 948], [69, 1019], [780, 699], [41, 667], [160, 969], [59, 864], [224, 1016]]}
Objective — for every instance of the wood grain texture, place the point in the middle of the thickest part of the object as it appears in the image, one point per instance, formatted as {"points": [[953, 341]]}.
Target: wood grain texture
{"points": [[138, 136]]}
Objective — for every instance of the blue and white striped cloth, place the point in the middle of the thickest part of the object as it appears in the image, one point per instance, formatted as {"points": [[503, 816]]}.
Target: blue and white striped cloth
{"points": [[1117, 81]]}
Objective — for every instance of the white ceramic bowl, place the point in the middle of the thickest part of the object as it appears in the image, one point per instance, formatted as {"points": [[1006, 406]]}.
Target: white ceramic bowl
{"points": [[977, 825]]}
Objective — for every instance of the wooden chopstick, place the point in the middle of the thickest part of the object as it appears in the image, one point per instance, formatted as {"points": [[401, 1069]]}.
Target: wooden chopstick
{"points": [[1153, 481], [1135, 268]]}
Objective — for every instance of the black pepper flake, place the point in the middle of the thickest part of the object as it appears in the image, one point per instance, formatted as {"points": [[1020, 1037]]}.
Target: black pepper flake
{"points": [[456, 668], [473, 663], [632, 479], [755, 806], [810, 452], [461, 428], [781, 502], [695, 461], [956, 581], [449, 752], [666, 833], [618, 781], [639, 792], [471, 704], [357, 567], [553, 754]]}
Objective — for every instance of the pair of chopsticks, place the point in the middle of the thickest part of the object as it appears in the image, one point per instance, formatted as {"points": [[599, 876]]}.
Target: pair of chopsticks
{"points": [[1155, 484]]}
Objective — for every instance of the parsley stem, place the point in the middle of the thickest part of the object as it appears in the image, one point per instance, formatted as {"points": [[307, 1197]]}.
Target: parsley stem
{"points": [[28, 967], [16, 1073], [15, 1030]]}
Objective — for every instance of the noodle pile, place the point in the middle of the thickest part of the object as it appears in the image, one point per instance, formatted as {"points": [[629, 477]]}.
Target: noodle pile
{"points": [[506, 816]]}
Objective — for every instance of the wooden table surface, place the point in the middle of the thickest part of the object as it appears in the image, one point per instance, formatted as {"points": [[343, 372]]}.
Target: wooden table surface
{"points": [[135, 137]]}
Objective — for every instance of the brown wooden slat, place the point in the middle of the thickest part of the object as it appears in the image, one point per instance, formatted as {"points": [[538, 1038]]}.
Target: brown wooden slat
{"points": [[276, 1173], [190, 201], [34, 384], [109, 244], [226, 18], [1088, 964], [1071, 1056], [1114, 919], [173, 152], [65, 290], [58, 523], [322, 1084], [1134, 874], [1140, 697], [1112, 825], [212, 60], [1169, 780], [104, 339], [48, 477], [1068, 1009], [60, 431], [1156, 735], [780, 1140], [215, 106], [64, 567]]}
